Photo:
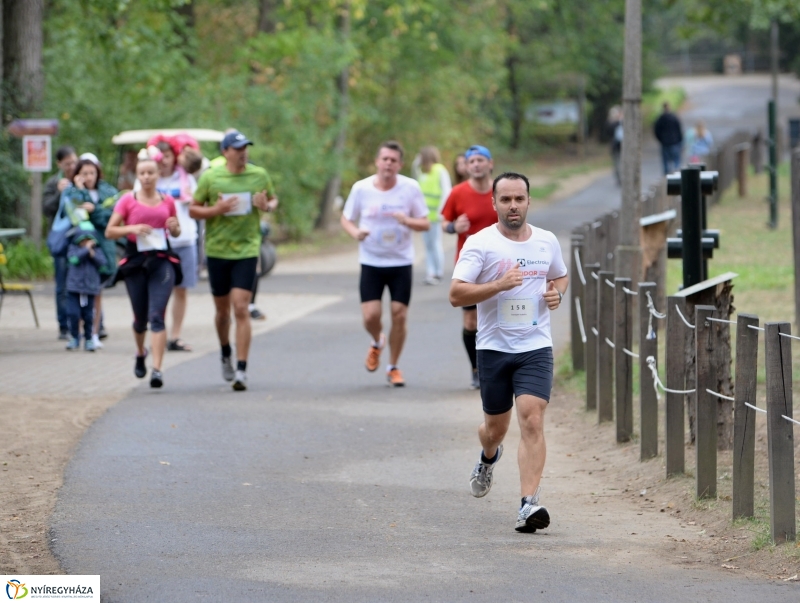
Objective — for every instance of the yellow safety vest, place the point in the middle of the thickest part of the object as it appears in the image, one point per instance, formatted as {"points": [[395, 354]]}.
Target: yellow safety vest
{"points": [[431, 185]]}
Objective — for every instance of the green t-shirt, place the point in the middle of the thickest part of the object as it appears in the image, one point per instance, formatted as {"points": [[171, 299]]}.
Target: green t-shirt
{"points": [[233, 237]]}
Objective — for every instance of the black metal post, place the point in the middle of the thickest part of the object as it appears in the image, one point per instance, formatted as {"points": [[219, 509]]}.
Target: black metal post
{"points": [[773, 166], [692, 226]]}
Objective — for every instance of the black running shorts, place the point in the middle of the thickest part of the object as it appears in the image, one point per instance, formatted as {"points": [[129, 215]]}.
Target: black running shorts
{"points": [[224, 275], [374, 279], [504, 376]]}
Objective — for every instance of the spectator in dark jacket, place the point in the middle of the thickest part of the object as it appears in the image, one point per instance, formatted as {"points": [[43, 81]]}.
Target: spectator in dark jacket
{"points": [[84, 260], [670, 135], [66, 159]]}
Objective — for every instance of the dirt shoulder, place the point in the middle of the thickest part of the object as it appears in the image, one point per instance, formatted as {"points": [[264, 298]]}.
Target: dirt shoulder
{"points": [[703, 535]]}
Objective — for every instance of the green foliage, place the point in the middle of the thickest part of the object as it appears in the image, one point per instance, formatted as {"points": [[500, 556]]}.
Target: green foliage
{"points": [[420, 71], [26, 262], [13, 182]]}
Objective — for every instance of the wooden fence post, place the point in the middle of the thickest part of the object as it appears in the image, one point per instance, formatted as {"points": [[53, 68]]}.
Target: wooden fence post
{"points": [[648, 346], [796, 231], [744, 418], [780, 436], [623, 363], [590, 318], [605, 356], [742, 162], [576, 290], [675, 367], [706, 405]]}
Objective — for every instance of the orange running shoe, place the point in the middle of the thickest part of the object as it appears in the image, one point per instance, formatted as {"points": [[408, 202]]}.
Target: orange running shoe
{"points": [[373, 360], [395, 378]]}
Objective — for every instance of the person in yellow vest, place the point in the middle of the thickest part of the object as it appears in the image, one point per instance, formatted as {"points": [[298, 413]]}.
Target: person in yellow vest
{"points": [[434, 180]]}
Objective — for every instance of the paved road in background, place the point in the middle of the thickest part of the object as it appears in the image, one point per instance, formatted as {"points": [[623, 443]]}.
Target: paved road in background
{"points": [[726, 105], [321, 484]]}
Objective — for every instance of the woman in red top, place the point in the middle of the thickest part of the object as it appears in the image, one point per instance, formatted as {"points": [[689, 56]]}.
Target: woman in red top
{"points": [[148, 267], [469, 209]]}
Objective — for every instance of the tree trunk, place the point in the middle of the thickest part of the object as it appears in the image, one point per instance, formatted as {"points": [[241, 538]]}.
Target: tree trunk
{"points": [[516, 109], [266, 16], [22, 55], [334, 184], [2, 54]]}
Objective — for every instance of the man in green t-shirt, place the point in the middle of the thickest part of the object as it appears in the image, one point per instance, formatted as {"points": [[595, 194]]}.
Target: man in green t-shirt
{"points": [[230, 198]]}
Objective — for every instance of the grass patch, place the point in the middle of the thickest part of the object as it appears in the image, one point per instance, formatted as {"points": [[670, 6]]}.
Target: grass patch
{"points": [[763, 258], [653, 101], [543, 192], [573, 382]]}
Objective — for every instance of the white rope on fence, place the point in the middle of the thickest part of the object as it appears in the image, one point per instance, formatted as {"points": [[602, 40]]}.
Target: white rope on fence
{"points": [[791, 419], [713, 393], [789, 336], [629, 353], [651, 362], [595, 277], [755, 328], [755, 407], [730, 322], [610, 284], [595, 332], [652, 307], [580, 317], [610, 343], [580, 268], [629, 292], [683, 318]]}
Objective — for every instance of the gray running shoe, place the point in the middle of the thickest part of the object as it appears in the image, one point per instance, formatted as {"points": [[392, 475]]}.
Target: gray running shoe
{"points": [[156, 379], [476, 382], [532, 516], [481, 480], [240, 381], [227, 369]]}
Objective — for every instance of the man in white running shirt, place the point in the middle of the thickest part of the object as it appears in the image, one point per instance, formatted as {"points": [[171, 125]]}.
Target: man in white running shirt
{"points": [[381, 212], [516, 275]]}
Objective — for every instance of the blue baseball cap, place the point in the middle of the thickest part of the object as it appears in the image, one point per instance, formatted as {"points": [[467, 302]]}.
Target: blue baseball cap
{"points": [[477, 149], [237, 140]]}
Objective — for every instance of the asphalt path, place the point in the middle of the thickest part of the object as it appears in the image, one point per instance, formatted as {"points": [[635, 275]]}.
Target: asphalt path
{"points": [[320, 483]]}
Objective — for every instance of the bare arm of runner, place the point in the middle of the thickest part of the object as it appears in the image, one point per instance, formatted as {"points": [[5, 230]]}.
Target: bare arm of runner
{"points": [[359, 234], [469, 294], [555, 291], [198, 211], [115, 229], [415, 224], [460, 224]]}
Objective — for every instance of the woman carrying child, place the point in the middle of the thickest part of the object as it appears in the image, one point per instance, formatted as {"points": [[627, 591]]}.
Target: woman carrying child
{"points": [[90, 193], [149, 267]]}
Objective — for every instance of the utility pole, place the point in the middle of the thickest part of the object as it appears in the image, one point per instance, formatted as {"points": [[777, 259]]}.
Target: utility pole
{"points": [[628, 257], [772, 124]]}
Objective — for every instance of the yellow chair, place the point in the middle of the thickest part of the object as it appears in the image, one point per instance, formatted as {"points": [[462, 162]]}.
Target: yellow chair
{"points": [[20, 288]]}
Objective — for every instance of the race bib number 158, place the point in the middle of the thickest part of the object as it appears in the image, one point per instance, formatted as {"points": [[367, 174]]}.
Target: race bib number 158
{"points": [[517, 311]]}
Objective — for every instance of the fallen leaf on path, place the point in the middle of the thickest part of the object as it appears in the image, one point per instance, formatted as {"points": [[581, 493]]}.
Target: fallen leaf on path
{"points": [[726, 566], [791, 579], [247, 484], [164, 462]]}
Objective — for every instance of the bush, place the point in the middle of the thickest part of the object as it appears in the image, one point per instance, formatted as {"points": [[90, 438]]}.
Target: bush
{"points": [[24, 261]]}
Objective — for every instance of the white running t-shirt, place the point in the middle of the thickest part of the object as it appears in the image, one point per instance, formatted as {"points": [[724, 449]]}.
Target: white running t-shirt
{"points": [[389, 243], [517, 320]]}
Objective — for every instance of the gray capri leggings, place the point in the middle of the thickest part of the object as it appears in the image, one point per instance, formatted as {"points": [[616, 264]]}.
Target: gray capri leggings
{"points": [[149, 291]]}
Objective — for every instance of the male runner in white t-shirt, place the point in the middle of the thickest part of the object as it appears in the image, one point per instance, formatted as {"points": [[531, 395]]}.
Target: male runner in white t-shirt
{"points": [[380, 213], [514, 272]]}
